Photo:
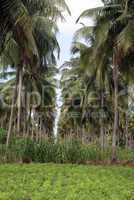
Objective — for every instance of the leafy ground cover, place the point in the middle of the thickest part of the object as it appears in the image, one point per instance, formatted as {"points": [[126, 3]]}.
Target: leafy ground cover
{"points": [[66, 182]]}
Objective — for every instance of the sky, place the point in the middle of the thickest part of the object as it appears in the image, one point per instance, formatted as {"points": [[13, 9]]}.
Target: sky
{"points": [[68, 28]]}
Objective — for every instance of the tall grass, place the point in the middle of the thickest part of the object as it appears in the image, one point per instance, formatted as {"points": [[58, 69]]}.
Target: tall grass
{"points": [[49, 151]]}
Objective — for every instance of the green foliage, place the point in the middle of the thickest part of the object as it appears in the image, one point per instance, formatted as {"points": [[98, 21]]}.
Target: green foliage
{"points": [[104, 94], [70, 182], [2, 136], [50, 152]]}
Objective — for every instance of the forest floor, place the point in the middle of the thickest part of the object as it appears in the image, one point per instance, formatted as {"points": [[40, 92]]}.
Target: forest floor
{"points": [[66, 182]]}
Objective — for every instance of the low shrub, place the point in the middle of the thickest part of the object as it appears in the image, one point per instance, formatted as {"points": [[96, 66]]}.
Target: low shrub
{"points": [[26, 150]]}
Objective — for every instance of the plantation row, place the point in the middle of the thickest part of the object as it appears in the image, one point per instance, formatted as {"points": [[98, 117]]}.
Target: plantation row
{"points": [[97, 82]]}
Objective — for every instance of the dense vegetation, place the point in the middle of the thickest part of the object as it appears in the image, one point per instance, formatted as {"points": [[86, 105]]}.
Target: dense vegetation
{"points": [[96, 125], [28, 151], [28, 58], [97, 82]]}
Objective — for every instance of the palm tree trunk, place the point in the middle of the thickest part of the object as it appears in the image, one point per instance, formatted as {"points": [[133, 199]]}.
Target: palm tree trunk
{"points": [[40, 129], [126, 131], [19, 100], [2, 123], [37, 129], [115, 126], [102, 122], [12, 111], [32, 132], [25, 123], [29, 123]]}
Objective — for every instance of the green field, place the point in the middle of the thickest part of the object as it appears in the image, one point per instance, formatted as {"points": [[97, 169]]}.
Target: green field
{"points": [[66, 182]]}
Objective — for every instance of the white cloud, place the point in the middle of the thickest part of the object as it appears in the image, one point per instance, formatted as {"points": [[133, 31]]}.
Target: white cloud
{"points": [[77, 6]]}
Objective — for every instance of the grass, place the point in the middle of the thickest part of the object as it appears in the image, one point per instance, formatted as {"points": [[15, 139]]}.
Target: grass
{"points": [[66, 182], [59, 153]]}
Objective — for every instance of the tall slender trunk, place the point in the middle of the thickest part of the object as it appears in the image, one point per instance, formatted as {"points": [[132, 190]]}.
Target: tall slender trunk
{"points": [[25, 113], [37, 129], [19, 100], [29, 123], [12, 110], [32, 132], [116, 114], [2, 123], [102, 121], [40, 131], [25, 124], [126, 131]]}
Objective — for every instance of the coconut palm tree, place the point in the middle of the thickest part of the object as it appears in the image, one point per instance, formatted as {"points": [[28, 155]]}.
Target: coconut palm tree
{"points": [[33, 37], [113, 40], [103, 58]]}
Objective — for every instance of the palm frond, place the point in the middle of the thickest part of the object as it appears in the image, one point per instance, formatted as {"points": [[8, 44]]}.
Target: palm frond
{"points": [[99, 11]]}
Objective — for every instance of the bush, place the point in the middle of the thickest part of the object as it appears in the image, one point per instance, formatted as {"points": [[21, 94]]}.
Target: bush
{"points": [[68, 152], [27, 150]]}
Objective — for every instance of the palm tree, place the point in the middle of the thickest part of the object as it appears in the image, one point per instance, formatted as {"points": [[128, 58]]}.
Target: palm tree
{"points": [[34, 42], [113, 24]]}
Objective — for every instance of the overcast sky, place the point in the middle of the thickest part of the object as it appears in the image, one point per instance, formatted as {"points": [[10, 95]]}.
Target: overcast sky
{"points": [[67, 29]]}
